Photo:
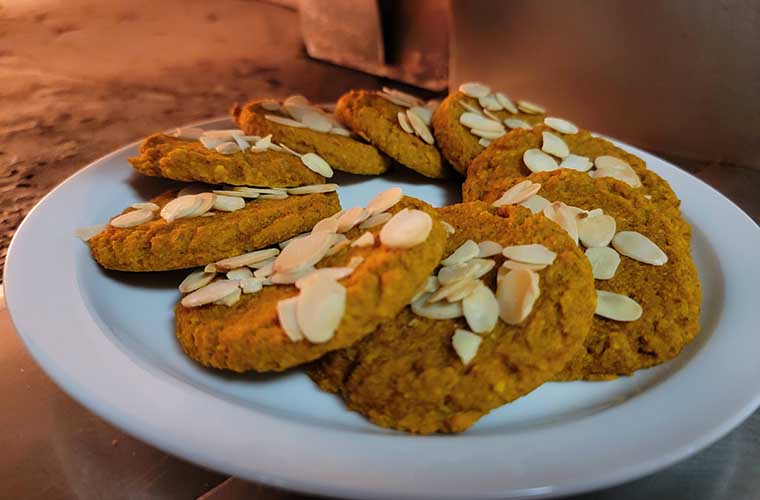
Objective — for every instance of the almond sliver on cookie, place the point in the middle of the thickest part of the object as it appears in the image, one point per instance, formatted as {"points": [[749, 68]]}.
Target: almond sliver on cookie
{"points": [[565, 216], [536, 203], [535, 253], [596, 231], [518, 193], [406, 229], [617, 307], [225, 203], [288, 317], [436, 310], [604, 262], [210, 293], [320, 308], [246, 259], [196, 280], [489, 248], [385, 200], [517, 292], [466, 251], [538, 161], [481, 309], [554, 145], [465, 344], [376, 220], [638, 247], [560, 125], [133, 218]]}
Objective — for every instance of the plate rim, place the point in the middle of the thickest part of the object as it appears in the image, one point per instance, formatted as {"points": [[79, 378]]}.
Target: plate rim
{"points": [[93, 400]]}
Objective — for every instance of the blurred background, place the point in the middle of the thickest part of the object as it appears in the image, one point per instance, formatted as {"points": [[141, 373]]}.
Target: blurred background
{"points": [[79, 78]]}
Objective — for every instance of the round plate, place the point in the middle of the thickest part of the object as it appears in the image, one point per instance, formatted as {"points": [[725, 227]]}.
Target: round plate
{"points": [[107, 339]]}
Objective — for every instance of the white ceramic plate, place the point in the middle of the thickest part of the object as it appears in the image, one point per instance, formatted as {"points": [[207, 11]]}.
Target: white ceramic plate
{"points": [[107, 339]]}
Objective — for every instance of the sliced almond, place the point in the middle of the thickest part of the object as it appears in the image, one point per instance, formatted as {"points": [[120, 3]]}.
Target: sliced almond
{"points": [[265, 271], [429, 286], [239, 273], [196, 280], [484, 142], [313, 188], [210, 293], [536, 203], [436, 310], [516, 293], [251, 285], [338, 246], [210, 268], [225, 203], [213, 142], [403, 122], [297, 100], [475, 89], [466, 251], [229, 299], [538, 161], [469, 107], [610, 166], [455, 291], [85, 233], [617, 307], [263, 263], [530, 108], [320, 308], [189, 133], [180, 207], [476, 121], [424, 114], [560, 125], [288, 317], [147, 206], [385, 200], [516, 264], [516, 123], [227, 148], [489, 248], [315, 163], [262, 144], [328, 225], [565, 216], [258, 190], [518, 193], [506, 102], [419, 127], [465, 344], [351, 218], [596, 231], [206, 203], [289, 278], [281, 120], [279, 196], [340, 131], [287, 242], [241, 142], [376, 220], [481, 309], [535, 253], [333, 273], [246, 259], [472, 269], [487, 134], [304, 252], [409, 99], [133, 218], [235, 194], [554, 145], [315, 120], [595, 212], [365, 240], [604, 262], [575, 162], [490, 103], [448, 227], [406, 229], [638, 247], [270, 105]]}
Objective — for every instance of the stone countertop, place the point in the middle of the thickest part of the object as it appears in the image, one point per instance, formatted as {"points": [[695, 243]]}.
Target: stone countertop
{"points": [[65, 101]]}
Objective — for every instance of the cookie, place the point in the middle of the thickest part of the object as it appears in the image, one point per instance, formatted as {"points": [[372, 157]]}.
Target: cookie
{"points": [[376, 119], [189, 160], [408, 375], [376, 278], [328, 139], [669, 294], [460, 143], [154, 244]]}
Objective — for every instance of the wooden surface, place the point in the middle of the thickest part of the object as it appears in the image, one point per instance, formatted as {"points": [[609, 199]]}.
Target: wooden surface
{"points": [[79, 79]]}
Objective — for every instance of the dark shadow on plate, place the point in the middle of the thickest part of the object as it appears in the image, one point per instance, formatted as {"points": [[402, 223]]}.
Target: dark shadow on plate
{"points": [[148, 187], [150, 280]]}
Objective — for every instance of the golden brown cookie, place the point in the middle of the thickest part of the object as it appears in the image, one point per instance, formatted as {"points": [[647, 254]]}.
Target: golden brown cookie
{"points": [[343, 152], [189, 160], [407, 374], [456, 141], [249, 336], [376, 119], [668, 294], [157, 245]]}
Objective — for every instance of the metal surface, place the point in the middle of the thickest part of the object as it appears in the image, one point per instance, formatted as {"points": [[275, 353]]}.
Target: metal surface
{"points": [[65, 101]]}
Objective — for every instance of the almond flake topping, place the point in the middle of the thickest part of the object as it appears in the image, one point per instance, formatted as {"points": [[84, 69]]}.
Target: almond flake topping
{"points": [[475, 89], [225, 203], [419, 127], [560, 125], [490, 103], [424, 114], [538, 161], [466, 251], [487, 134], [489, 248], [617, 307], [448, 227], [147, 206], [384, 200], [484, 142], [333, 273], [376, 220], [517, 292], [320, 308], [575, 162], [229, 299], [210, 293], [351, 218], [406, 229], [516, 264], [455, 291], [638, 247], [403, 121], [536, 203], [596, 231], [281, 120], [472, 269], [365, 240], [313, 188], [565, 216], [304, 252], [466, 345], [514, 123], [481, 309], [530, 108], [251, 285], [518, 193], [288, 317], [604, 262], [180, 207], [196, 280], [610, 166], [246, 259], [85, 233], [400, 98], [436, 310], [133, 218], [315, 163], [554, 145], [506, 102], [476, 121], [535, 253]]}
